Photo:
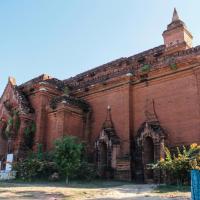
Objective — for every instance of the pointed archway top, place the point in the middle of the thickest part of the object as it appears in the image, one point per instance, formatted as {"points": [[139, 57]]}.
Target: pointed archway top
{"points": [[108, 131], [108, 122]]}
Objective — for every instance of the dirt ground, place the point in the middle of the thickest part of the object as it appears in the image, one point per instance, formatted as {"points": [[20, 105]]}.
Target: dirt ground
{"points": [[112, 191]]}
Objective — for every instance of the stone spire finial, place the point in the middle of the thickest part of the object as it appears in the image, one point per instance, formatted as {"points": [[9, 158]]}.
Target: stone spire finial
{"points": [[175, 16], [108, 108], [12, 80], [177, 37]]}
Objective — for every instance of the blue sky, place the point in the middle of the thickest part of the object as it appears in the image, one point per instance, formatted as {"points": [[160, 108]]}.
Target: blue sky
{"points": [[65, 37]]}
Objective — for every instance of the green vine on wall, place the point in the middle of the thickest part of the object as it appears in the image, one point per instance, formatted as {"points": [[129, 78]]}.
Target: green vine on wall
{"points": [[145, 68], [10, 127], [3, 128], [8, 105], [29, 134], [66, 91], [173, 66]]}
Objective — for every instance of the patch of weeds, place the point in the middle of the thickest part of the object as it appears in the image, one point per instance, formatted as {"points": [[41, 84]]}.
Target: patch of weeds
{"points": [[171, 189], [173, 66], [145, 68]]}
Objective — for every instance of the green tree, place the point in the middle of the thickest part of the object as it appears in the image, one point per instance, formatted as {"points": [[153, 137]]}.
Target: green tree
{"points": [[68, 155]]}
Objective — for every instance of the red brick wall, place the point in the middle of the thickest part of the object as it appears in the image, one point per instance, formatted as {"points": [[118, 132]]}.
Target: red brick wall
{"points": [[73, 124], [7, 95], [64, 121], [52, 130], [3, 146], [176, 105], [40, 101], [118, 99]]}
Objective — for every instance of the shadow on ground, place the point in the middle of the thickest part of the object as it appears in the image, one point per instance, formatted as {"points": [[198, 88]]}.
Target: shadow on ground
{"points": [[172, 188], [74, 184], [30, 195]]}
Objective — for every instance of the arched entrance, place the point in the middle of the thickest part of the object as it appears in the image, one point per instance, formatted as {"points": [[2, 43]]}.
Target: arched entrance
{"points": [[103, 159], [148, 157], [106, 146], [148, 148]]}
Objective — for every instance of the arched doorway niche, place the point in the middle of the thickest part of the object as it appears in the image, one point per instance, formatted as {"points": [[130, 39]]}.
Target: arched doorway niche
{"points": [[148, 148], [107, 147]]}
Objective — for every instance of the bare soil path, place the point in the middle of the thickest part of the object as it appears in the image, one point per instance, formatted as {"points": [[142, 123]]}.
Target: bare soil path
{"points": [[111, 191]]}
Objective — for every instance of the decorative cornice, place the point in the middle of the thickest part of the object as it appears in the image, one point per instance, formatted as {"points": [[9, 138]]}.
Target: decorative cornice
{"points": [[69, 100], [155, 59]]}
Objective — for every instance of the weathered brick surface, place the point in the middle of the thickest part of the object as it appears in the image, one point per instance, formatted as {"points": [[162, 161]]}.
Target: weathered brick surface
{"points": [[176, 105], [64, 121], [118, 100]]}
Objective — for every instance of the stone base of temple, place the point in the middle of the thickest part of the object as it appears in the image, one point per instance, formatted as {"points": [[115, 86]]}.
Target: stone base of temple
{"points": [[123, 171], [123, 175]]}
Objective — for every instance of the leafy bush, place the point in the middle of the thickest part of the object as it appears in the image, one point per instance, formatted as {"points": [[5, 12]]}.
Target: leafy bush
{"points": [[176, 166], [86, 171]]}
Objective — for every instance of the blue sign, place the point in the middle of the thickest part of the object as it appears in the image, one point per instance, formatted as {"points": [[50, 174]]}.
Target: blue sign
{"points": [[195, 185]]}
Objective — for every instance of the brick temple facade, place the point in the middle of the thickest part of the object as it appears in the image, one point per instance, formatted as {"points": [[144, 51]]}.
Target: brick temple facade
{"points": [[125, 110]]}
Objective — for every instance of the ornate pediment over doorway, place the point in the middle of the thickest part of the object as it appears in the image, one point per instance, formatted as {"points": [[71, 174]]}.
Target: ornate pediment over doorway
{"points": [[148, 146], [106, 146]]}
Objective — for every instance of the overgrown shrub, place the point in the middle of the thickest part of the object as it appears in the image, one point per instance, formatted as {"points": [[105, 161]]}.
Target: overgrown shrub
{"points": [[176, 166], [29, 133], [33, 168], [68, 160], [36, 165], [86, 171]]}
